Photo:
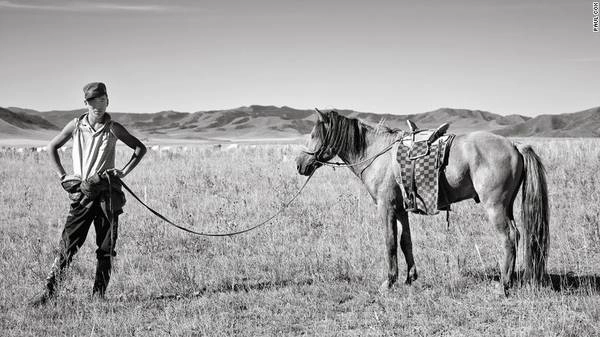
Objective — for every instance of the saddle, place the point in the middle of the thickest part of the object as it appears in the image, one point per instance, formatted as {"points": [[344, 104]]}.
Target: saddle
{"points": [[427, 135], [422, 155]]}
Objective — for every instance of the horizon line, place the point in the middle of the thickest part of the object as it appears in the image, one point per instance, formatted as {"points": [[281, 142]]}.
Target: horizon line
{"points": [[300, 109]]}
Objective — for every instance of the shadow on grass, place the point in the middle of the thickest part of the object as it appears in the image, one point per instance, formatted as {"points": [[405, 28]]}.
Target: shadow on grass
{"points": [[567, 282], [226, 287], [570, 281]]}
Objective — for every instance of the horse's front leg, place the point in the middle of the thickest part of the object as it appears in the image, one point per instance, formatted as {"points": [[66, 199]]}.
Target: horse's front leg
{"points": [[388, 217], [406, 246]]}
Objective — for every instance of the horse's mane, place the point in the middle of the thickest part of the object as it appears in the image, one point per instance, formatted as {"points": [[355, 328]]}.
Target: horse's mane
{"points": [[348, 135]]}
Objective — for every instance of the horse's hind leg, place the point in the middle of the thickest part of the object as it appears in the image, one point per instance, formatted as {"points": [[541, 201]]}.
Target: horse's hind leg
{"points": [[500, 217], [388, 216], [406, 246]]}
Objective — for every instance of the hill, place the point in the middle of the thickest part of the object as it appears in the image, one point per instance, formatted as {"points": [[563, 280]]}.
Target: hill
{"points": [[584, 123], [24, 125], [258, 121]]}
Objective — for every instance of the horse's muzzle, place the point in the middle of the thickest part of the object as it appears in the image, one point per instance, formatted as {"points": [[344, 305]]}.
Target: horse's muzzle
{"points": [[306, 164]]}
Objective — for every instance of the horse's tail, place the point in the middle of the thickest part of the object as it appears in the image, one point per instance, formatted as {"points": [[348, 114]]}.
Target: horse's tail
{"points": [[535, 216]]}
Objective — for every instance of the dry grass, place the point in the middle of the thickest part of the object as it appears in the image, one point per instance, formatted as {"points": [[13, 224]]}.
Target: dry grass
{"points": [[314, 270]]}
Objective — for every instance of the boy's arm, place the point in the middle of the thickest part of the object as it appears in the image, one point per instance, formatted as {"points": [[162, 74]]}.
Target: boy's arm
{"points": [[139, 149], [56, 143]]}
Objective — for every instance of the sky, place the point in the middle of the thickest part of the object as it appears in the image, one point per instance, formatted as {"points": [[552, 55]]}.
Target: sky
{"points": [[401, 57]]}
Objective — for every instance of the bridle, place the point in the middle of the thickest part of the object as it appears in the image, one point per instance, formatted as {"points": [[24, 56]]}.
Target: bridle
{"points": [[327, 148]]}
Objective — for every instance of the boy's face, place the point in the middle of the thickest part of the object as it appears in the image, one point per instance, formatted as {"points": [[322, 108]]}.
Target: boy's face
{"points": [[97, 106]]}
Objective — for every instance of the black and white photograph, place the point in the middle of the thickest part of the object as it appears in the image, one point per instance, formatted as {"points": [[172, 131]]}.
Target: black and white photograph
{"points": [[299, 168]]}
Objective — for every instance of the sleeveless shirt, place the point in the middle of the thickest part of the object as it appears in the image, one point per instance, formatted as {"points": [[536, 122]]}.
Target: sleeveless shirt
{"points": [[93, 150]]}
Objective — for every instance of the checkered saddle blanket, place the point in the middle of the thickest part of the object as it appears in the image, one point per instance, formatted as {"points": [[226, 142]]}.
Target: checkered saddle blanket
{"points": [[422, 156]]}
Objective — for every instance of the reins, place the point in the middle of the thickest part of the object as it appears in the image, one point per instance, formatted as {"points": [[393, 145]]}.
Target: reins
{"points": [[162, 217], [262, 223]]}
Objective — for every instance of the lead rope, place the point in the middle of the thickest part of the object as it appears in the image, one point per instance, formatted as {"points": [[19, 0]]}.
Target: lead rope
{"points": [[162, 217], [111, 219]]}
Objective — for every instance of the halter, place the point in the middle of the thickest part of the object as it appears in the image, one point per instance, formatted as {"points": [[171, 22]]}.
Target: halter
{"points": [[327, 147]]}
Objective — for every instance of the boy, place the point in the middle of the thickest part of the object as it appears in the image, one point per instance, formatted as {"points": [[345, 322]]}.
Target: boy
{"points": [[94, 189]]}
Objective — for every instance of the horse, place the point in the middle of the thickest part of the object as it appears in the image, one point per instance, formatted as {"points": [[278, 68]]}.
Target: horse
{"points": [[481, 165]]}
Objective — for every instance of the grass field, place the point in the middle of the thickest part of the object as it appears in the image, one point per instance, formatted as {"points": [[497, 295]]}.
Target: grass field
{"points": [[314, 270]]}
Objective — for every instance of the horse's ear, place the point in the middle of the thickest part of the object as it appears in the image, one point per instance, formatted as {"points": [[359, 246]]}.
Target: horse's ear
{"points": [[322, 116]]}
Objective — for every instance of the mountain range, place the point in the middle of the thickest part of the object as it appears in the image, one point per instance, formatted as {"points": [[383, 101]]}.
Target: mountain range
{"points": [[260, 122]]}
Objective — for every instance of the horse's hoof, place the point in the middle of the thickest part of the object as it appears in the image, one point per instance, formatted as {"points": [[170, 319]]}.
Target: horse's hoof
{"points": [[384, 288], [411, 278], [500, 290]]}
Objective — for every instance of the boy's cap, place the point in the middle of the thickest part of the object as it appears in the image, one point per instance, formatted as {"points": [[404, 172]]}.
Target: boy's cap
{"points": [[93, 90]]}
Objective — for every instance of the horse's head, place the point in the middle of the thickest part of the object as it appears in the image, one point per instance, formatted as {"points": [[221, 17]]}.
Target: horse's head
{"points": [[318, 147]]}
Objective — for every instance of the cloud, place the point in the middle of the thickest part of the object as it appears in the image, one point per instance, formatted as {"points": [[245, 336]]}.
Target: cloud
{"points": [[82, 6]]}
